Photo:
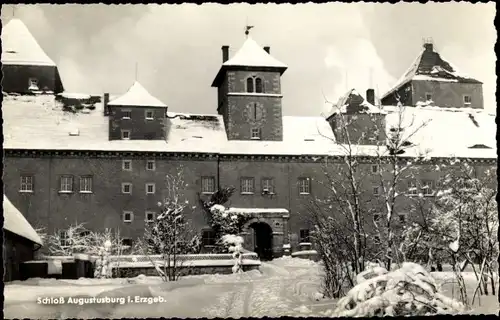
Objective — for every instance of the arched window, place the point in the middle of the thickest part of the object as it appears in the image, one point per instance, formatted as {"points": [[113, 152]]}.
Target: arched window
{"points": [[249, 84], [258, 85]]}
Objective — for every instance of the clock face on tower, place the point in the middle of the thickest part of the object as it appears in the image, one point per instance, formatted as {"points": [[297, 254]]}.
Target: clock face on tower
{"points": [[255, 112]]}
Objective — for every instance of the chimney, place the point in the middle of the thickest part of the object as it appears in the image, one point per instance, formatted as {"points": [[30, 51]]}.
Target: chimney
{"points": [[225, 53], [267, 49], [428, 47], [105, 100], [370, 96]]}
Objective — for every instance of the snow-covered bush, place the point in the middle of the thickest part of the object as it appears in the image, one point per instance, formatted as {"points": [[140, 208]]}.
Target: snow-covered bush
{"points": [[66, 242], [461, 227], [235, 246], [221, 221], [408, 291]]}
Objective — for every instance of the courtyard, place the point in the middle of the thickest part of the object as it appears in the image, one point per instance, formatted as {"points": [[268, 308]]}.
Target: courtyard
{"points": [[282, 287]]}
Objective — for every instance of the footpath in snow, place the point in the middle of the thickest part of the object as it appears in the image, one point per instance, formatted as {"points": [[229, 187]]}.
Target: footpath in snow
{"points": [[282, 287]]}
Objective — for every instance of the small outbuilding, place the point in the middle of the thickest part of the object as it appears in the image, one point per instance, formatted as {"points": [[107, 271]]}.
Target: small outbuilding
{"points": [[20, 241]]}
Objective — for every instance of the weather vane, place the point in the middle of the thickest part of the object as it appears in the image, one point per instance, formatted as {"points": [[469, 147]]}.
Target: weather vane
{"points": [[247, 30]]}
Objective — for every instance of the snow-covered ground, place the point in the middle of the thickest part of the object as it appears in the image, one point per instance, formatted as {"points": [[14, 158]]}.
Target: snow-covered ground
{"points": [[283, 287]]}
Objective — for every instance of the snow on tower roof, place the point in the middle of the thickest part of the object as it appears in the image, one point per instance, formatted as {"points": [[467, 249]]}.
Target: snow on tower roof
{"points": [[429, 65], [19, 47], [137, 96], [252, 55], [15, 222]]}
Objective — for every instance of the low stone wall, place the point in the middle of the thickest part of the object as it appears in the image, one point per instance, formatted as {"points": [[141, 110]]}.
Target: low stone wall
{"points": [[125, 266], [307, 254], [130, 272]]}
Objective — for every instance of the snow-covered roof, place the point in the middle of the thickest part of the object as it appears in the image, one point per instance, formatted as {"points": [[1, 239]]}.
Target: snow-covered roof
{"points": [[442, 131], [353, 102], [38, 123], [430, 66], [251, 54], [137, 96], [15, 222], [19, 47]]}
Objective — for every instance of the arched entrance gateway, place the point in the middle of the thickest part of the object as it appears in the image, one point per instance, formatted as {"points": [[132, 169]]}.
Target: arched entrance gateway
{"points": [[262, 240], [265, 232]]}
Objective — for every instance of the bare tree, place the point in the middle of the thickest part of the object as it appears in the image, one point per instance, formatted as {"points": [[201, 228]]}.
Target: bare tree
{"points": [[169, 235]]}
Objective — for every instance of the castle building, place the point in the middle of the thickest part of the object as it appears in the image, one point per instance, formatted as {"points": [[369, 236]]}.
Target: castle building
{"points": [[104, 163], [26, 67]]}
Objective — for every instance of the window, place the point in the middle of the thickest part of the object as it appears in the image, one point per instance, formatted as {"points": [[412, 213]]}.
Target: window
{"points": [[376, 239], [63, 238], [268, 186], [127, 243], [376, 190], [412, 188], [66, 184], [428, 97], [127, 187], [26, 184], [128, 216], [304, 186], [402, 218], [304, 236], [85, 233], [86, 184], [247, 185], [125, 134], [150, 165], [258, 85], [150, 216], [428, 187], [375, 168], [127, 165], [467, 100], [255, 84], [126, 114], [150, 115], [150, 188], [376, 217], [33, 84], [208, 237], [207, 185], [250, 85], [255, 134]]}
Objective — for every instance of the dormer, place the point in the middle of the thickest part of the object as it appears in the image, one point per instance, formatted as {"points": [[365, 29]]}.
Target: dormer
{"points": [[249, 93], [433, 80], [136, 115], [356, 121], [27, 69]]}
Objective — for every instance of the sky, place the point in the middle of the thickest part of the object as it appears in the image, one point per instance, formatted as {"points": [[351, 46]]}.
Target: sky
{"points": [[329, 48]]}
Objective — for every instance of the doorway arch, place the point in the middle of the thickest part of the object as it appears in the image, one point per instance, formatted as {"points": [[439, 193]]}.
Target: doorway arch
{"points": [[263, 240]]}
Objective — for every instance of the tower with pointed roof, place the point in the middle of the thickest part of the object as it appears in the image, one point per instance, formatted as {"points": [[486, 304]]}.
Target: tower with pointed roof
{"points": [[433, 80], [26, 66], [249, 93], [136, 115]]}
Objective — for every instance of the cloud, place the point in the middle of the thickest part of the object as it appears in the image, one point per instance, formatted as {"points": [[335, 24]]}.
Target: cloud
{"points": [[358, 67]]}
